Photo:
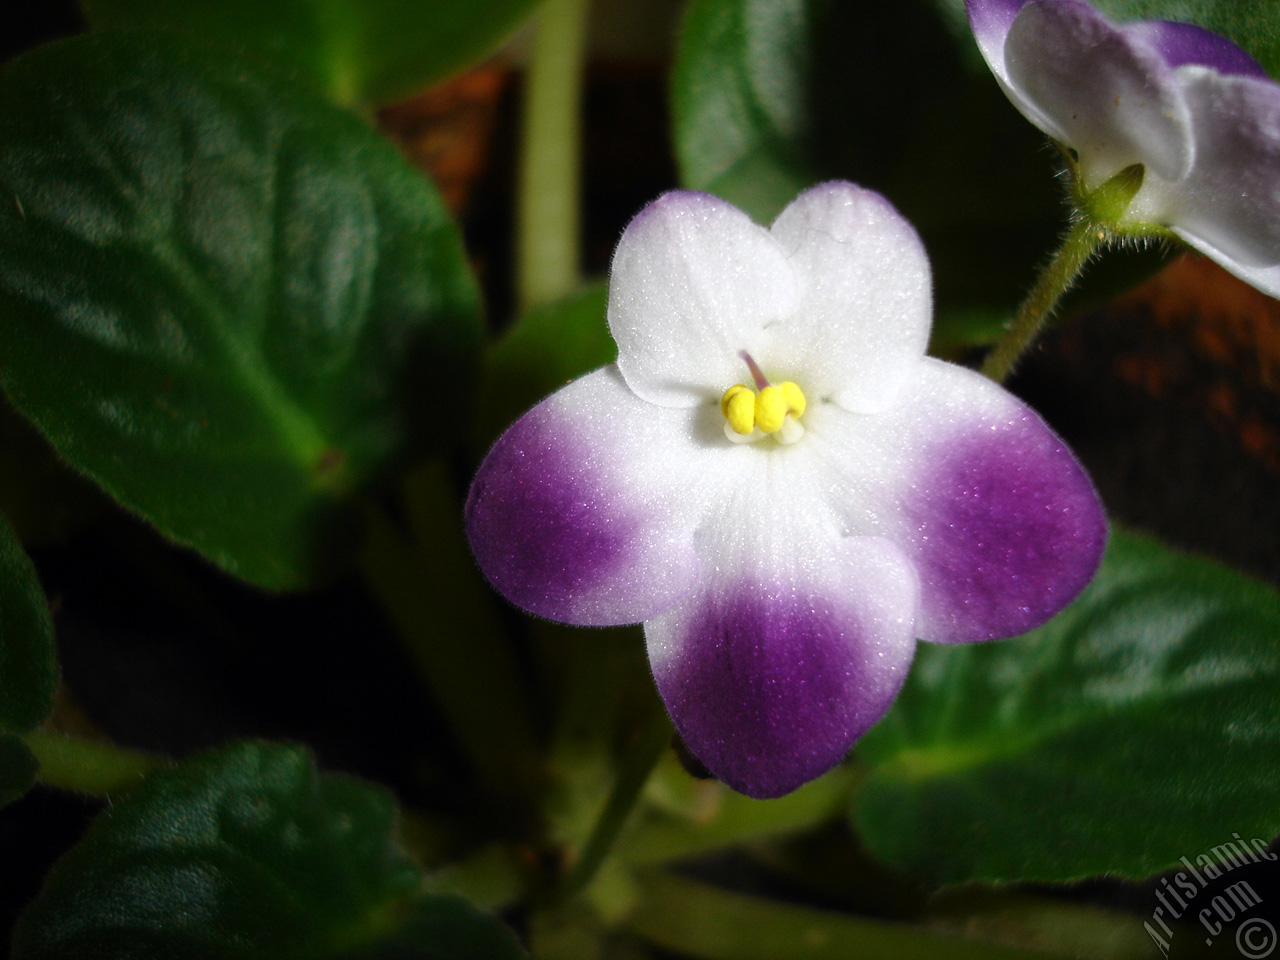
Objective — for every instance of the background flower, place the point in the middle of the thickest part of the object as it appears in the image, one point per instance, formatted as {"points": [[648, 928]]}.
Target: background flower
{"points": [[782, 584], [1194, 110]]}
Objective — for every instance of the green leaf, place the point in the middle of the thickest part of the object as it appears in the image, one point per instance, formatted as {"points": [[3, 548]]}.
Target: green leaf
{"points": [[18, 768], [771, 96], [1137, 727], [545, 350], [743, 128], [212, 286], [44, 500], [248, 852], [28, 658], [358, 51]]}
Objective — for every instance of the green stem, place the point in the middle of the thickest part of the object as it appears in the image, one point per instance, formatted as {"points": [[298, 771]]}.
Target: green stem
{"points": [[695, 919], [739, 820], [547, 251], [1080, 243], [653, 738], [1008, 915], [492, 878], [89, 766]]}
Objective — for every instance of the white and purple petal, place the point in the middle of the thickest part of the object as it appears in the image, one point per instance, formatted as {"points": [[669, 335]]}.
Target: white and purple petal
{"points": [[694, 282], [770, 673], [1099, 89], [1229, 206], [583, 512], [1185, 44], [990, 21], [863, 315], [1001, 522]]}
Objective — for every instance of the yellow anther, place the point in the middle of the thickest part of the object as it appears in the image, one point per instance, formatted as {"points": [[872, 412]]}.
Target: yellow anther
{"points": [[771, 409], [795, 398], [729, 394], [776, 409], [738, 405]]}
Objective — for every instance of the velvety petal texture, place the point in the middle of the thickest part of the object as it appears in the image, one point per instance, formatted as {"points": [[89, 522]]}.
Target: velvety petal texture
{"points": [[1197, 112], [990, 21], [1231, 202], [992, 508], [1099, 90], [719, 278], [1185, 44], [864, 282], [770, 675], [1001, 520], [784, 573], [575, 516]]}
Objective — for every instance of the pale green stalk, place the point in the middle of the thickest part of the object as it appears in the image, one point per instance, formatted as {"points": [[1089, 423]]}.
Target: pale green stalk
{"points": [[651, 741], [93, 767], [548, 218]]}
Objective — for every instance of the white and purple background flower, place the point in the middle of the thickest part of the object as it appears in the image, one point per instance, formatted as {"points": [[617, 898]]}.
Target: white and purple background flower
{"points": [[1196, 111], [782, 586]]}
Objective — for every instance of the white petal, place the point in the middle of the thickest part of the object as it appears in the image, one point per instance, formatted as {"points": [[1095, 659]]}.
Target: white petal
{"points": [[1265, 278], [990, 21], [865, 301], [1229, 205], [1099, 89], [693, 283]]}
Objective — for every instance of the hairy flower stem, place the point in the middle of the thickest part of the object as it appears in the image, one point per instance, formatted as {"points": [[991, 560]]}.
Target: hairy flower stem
{"points": [[92, 767], [1080, 243], [652, 739], [548, 218]]}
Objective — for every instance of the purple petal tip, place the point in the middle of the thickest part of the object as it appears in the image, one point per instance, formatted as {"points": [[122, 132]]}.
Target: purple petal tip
{"points": [[1184, 44], [536, 519], [770, 691], [1012, 532]]}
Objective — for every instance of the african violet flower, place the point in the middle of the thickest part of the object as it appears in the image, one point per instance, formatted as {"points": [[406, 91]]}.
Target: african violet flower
{"points": [[777, 481], [1194, 110]]}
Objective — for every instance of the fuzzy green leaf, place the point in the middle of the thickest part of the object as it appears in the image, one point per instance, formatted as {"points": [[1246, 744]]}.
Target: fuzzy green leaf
{"points": [[358, 51], [1137, 727], [248, 852], [212, 284]]}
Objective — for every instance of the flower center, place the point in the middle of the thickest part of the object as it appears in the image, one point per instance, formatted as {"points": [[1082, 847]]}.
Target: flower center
{"points": [[770, 408]]}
